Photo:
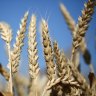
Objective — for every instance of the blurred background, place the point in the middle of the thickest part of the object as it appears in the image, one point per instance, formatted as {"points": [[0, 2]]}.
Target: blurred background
{"points": [[12, 11]]}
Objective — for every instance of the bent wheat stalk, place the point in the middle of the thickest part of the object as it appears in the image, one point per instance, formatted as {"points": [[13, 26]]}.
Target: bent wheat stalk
{"points": [[32, 50], [6, 35]]}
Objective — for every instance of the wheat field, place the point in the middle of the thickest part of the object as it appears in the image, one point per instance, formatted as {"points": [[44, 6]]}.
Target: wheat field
{"points": [[62, 76]]}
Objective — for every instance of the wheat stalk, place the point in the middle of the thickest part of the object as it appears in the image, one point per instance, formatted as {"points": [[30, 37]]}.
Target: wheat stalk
{"points": [[82, 25], [6, 35], [15, 53], [32, 52]]}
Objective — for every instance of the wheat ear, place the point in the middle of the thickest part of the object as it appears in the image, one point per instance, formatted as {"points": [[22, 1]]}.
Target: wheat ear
{"points": [[32, 50], [63, 67], [48, 52], [15, 53], [32, 53], [20, 83], [6, 35], [71, 24], [69, 20], [60, 61], [82, 25]]}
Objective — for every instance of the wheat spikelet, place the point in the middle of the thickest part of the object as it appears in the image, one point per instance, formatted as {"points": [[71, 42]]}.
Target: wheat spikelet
{"points": [[6, 32], [48, 53], [82, 25], [32, 50], [60, 66], [15, 53], [60, 62]]}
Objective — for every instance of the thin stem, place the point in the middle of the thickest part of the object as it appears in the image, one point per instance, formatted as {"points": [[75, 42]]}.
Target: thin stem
{"points": [[10, 69]]}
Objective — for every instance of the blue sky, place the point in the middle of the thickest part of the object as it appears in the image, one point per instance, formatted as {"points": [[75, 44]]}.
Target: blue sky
{"points": [[11, 11]]}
